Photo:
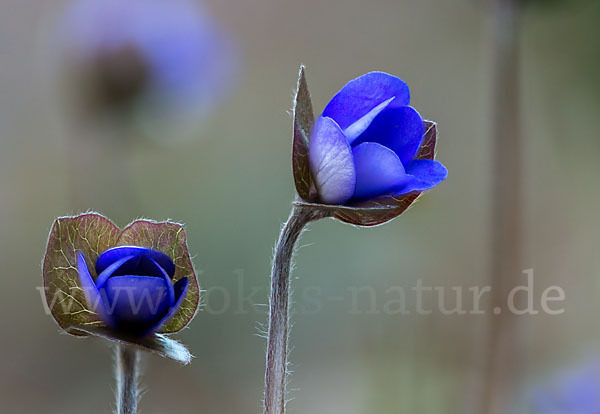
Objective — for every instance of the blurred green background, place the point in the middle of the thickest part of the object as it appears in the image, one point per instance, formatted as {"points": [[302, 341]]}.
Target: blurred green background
{"points": [[232, 187]]}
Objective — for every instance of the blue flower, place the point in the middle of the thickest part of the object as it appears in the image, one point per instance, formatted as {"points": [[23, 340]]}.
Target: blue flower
{"points": [[575, 391], [366, 142], [133, 292], [160, 57]]}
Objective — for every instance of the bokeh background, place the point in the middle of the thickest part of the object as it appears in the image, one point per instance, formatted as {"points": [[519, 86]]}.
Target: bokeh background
{"points": [[232, 187]]}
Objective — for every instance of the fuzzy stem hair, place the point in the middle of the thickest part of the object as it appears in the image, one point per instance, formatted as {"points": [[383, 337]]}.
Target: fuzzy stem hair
{"points": [[279, 308], [127, 375]]}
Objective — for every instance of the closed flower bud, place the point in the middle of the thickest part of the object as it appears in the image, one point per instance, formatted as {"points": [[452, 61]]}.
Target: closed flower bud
{"points": [[133, 291], [130, 285]]}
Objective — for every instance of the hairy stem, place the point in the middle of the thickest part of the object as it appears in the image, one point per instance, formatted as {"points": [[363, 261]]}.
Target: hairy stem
{"points": [[279, 303], [127, 379], [506, 203]]}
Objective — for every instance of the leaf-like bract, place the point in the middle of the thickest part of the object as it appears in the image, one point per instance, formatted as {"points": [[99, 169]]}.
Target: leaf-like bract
{"points": [[91, 234], [156, 343], [303, 123]]}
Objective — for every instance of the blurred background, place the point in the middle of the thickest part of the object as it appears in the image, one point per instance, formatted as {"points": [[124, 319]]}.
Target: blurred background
{"points": [[216, 156]]}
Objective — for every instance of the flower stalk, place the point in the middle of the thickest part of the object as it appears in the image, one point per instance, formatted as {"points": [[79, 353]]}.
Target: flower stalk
{"points": [[279, 306], [116, 280], [391, 163], [127, 374]]}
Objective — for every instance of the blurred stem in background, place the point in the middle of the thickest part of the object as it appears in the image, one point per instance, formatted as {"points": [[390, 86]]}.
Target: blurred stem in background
{"points": [[100, 174], [502, 344], [127, 374]]}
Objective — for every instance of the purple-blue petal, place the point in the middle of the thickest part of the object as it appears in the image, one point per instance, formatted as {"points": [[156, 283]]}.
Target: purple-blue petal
{"points": [[110, 270], [331, 163], [358, 127], [136, 303], [139, 266], [116, 253], [400, 129], [167, 279], [94, 300], [378, 170], [424, 174], [359, 96], [181, 287]]}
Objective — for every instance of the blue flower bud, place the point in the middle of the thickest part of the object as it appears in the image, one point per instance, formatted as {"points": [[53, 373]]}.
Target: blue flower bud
{"points": [[133, 291], [365, 143], [133, 285], [369, 155]]}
